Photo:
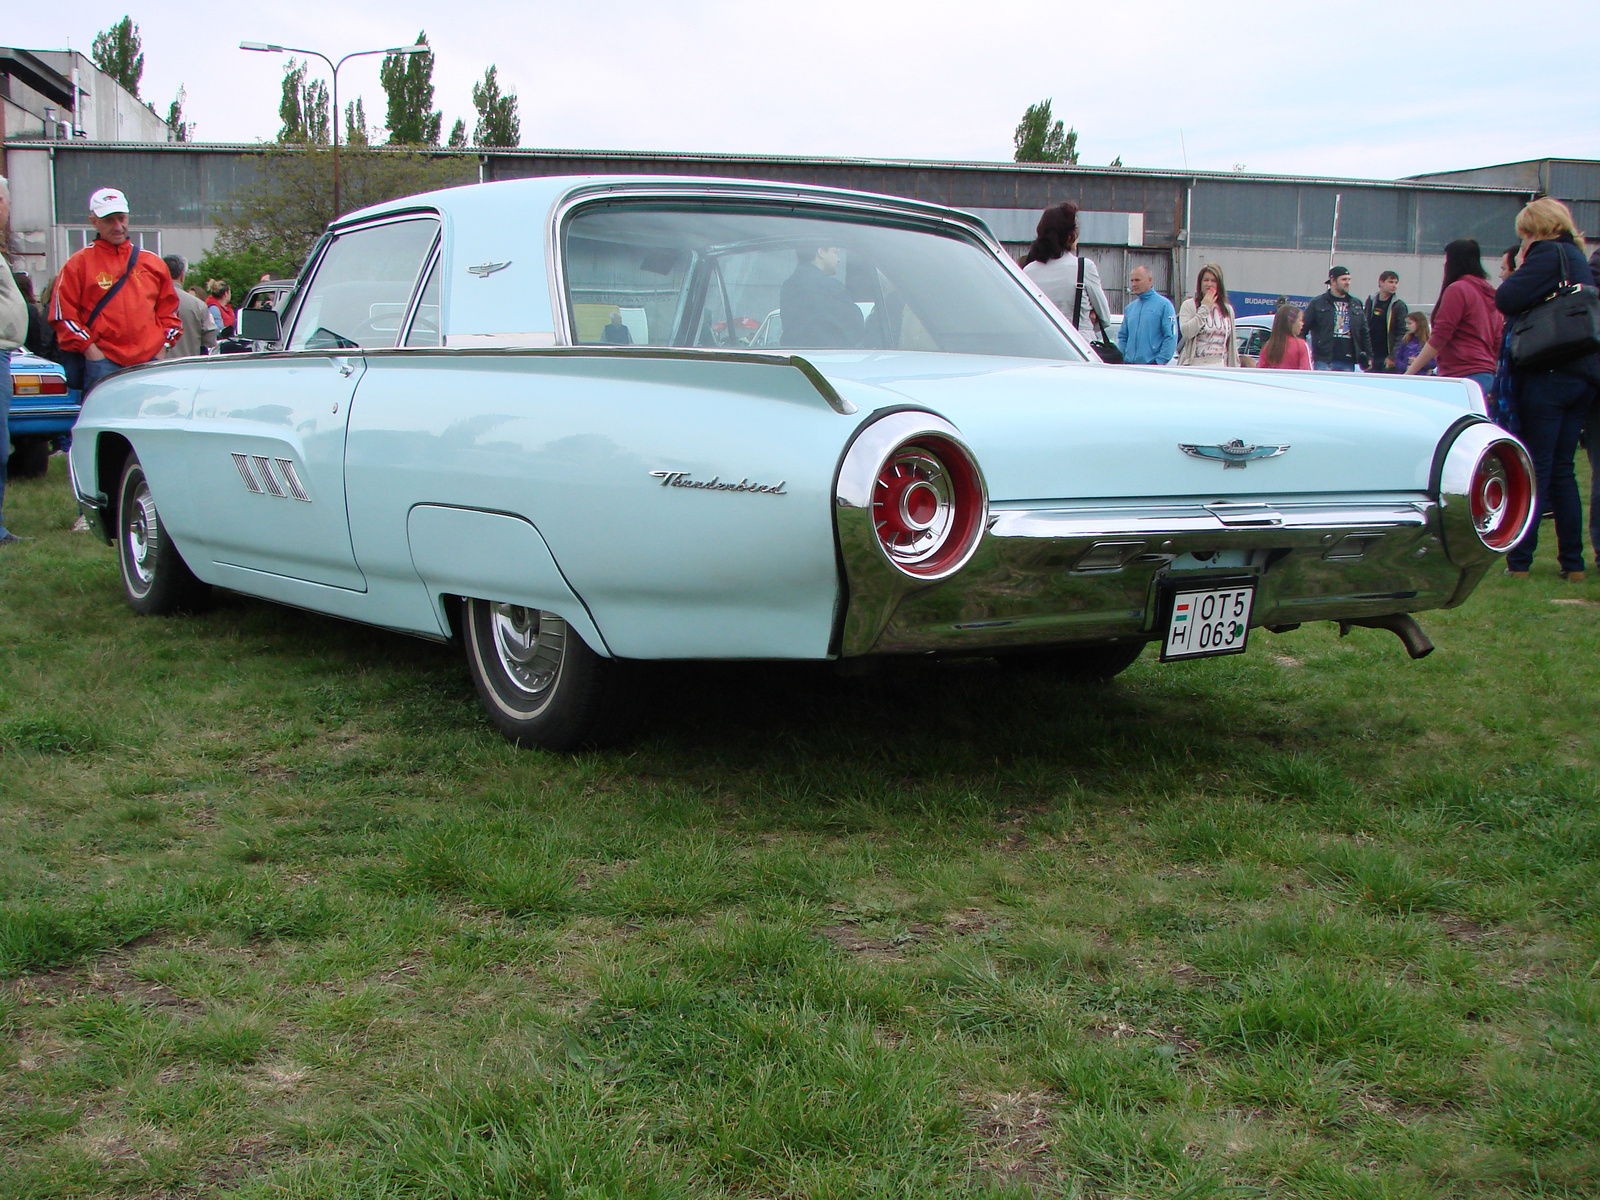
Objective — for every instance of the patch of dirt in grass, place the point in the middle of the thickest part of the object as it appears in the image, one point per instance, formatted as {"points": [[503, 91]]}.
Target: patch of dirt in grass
{"points": [[1015, 1132], [1285, 660], [970, 920], [1191, 976], [1464, 929], [247, 1157], [1407, 1114], [105, 978], [853, 940], [1576, 602]]}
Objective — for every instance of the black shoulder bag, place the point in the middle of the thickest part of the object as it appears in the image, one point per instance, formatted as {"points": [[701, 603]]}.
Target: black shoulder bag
{"points": [[1103, 346], [72, 360], [1563, 326]]}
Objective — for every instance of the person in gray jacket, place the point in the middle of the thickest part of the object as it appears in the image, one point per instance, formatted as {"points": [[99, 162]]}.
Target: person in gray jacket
{"points": [[199, 335]]}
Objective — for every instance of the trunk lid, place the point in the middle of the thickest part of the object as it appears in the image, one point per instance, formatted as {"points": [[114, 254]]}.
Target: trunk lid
{"points": [[1047, 431]]}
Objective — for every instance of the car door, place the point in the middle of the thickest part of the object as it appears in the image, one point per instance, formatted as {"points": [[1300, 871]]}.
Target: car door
{"points": [[269, 472]]}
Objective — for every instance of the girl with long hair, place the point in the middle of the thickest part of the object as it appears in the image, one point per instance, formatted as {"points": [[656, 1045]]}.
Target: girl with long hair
{"points": [[1465, 339], [1417, 332], [1206, 323], [1052, 263], [1284, 348], [1554, 401]]}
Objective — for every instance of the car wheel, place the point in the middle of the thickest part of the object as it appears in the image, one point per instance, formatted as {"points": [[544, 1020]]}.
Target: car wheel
{"points": [[540, 683], [1090, 660], [30, 457], [154, 575]]}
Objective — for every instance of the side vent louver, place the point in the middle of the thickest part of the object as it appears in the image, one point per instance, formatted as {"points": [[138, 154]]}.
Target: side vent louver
{"points": [[242, 462], [286, 466], [268, 479]]}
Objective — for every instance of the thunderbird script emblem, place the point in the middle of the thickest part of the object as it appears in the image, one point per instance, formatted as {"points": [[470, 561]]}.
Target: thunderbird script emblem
{"points": [[484, 270], [1232, 454]]}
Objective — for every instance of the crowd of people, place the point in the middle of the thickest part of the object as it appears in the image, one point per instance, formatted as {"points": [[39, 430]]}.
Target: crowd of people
{"points": [[115, 306], [1553, 408]]}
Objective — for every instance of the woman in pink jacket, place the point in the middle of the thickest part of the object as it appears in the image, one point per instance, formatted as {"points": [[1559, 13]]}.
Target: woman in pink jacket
{"points": [[1465, 340]]}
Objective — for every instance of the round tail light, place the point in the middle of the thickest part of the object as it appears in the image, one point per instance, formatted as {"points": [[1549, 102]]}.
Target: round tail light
{"points": [[1501, 494], [928, 506]]}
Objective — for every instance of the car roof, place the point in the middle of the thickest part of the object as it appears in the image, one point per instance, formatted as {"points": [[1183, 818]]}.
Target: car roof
{"points": [[534, 197]]}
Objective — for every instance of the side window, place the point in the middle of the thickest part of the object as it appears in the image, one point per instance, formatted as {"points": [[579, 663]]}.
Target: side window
{"points": [[425, 324], [625, 293], [362, 286]]}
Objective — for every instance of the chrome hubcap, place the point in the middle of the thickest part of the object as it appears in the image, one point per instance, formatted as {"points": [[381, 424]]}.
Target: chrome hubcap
{"points": [[144, 529], [529, 643]]}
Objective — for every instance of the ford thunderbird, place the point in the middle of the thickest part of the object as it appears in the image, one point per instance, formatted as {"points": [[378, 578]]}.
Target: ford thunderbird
{"points": [[579, 424]]}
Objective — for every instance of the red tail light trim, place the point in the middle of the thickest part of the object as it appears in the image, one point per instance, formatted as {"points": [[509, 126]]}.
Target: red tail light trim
{"points": [[928, 505]]}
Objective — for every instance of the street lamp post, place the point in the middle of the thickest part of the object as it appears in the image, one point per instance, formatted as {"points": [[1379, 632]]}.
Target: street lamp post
{"points": [[269, 48]]}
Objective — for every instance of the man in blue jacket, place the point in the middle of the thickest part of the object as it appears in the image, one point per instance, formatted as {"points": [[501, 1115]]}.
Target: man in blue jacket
{"points": [[1149, 332]]}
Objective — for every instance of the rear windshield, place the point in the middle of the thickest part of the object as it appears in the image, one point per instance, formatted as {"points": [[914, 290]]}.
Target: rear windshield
{"points": [[648, 273]]}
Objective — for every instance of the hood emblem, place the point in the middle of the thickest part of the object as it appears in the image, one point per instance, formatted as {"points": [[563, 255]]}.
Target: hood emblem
{"points": [[1232, 454], [484, 270]]}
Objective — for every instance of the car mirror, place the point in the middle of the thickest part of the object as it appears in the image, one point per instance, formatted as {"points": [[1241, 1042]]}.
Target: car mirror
{"points": [[259, 325]]}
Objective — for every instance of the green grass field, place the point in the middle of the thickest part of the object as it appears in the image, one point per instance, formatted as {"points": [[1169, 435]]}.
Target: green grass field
{"points": [[281, 916]]}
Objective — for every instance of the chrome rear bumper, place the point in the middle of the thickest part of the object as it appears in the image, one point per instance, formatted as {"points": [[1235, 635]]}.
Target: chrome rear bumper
{"points": [[1075, 573]]}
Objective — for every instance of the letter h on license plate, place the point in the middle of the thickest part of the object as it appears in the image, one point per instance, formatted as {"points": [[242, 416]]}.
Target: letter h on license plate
{"points": [[1207, 617]]}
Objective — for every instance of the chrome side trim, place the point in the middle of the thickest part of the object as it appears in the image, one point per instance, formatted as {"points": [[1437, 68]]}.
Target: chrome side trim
{"points": [[770, 358]]}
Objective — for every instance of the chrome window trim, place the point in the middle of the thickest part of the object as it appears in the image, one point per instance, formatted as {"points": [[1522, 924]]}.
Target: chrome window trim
{"points": [[430, 260], [827, 199], [335, 232]]}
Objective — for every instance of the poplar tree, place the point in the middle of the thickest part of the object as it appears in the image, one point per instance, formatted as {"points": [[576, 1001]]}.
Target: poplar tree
{"points": [[116, 51], [498, 124], [408, 82], [1039, 139]]}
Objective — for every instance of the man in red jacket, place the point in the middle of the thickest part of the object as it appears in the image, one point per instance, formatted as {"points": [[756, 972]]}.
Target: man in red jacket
{"points": [[137, 307]]}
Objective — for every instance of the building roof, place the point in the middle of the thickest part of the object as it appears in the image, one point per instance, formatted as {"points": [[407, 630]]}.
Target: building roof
{"points": [[679, 158]]}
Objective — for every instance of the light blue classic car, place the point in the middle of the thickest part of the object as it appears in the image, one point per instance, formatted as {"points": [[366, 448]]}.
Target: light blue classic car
{"points": [[531, 416]]}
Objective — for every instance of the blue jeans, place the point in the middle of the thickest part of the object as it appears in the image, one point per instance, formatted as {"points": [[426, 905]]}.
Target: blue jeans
{"points": [[1333, 366], [1553, 406], [96, 369], [1592, 424]]}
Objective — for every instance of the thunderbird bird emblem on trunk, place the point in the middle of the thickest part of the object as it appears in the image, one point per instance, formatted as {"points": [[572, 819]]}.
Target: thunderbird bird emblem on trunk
{"points": [[1232, 454]]}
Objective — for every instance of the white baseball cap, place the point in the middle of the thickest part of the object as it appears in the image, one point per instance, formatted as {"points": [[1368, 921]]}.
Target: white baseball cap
{"points": [[107, 201]]}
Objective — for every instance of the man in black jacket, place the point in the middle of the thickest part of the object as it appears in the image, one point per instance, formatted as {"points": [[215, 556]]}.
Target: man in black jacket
{"points": [[1386, 321], [816, 309], [1336, 326]]}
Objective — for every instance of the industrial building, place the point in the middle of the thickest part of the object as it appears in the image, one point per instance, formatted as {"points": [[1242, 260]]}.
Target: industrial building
{"points": [[1273, 235]]}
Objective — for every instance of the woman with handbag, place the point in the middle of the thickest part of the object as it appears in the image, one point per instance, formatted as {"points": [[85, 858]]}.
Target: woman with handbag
{"points": [[1556, 386], [1206, 323], [1071, 283]]}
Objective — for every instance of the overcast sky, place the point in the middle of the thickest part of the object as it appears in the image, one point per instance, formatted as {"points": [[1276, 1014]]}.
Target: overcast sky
{"points": [[1386, 90]]}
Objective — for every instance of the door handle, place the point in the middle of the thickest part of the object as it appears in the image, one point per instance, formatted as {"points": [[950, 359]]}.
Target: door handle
{"points": [[345, 367]]}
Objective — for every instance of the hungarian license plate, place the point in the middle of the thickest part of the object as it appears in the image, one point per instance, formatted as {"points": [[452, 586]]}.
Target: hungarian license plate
{"points": [[1208, 620]]}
